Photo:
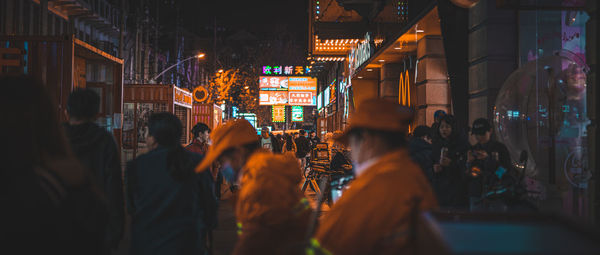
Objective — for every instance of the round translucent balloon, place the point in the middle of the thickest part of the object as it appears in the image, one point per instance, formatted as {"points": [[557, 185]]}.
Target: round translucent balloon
{"points": [[541, 109]]}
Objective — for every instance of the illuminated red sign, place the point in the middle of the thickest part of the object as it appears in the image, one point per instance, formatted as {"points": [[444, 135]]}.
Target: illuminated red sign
{"points": [[273, 83], [273, 97], [302, 98], [302, 84]]}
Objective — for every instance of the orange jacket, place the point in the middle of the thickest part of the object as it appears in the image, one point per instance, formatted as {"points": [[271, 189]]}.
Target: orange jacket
{"points": [[271, 211], [373, 215]]}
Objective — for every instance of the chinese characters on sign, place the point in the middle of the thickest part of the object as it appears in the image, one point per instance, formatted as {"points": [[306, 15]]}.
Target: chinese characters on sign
{"points": [[268, 97], [286, 70], [302, 84], [301, 98], [297, 113], [278, 113], [284, 90], [182, 97], [273, 83]]}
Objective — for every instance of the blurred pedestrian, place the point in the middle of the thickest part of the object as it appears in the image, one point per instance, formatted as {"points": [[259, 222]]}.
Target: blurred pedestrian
{"points": [[271, 211], [289, 146], [314, 139], [50, 204], [420, 149], [374, 214], [302, 148], [201, 135], [170, 205], [448, 158], [268, 141], [281, 141], [488, 162], [97, 150]]}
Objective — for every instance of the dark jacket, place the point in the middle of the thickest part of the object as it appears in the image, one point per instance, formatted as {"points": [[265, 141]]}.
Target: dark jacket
{"points": [[314, 141], [277, 145], [420, 152], [449, 184], [97, 150], [489, 166], [339, 159], [302, 146], [52, 209], [197, 147], [168, 216]]}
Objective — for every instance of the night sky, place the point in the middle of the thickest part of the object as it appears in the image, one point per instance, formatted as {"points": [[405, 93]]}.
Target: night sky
{"points": [[252, 15]]}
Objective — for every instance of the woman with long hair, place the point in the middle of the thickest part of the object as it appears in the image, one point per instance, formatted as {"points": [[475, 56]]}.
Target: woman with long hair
{"points": [[289, 146], [449, 157], [49, 204], [170, 205]]}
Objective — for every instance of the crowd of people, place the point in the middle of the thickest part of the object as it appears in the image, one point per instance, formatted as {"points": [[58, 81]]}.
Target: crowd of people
{"points": [[461, 171], [65, 191], [296, 144]]}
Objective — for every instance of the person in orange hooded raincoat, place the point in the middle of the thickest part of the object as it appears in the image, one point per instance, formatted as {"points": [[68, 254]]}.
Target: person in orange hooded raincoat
{"points": [[375, 214], [271, 211]]}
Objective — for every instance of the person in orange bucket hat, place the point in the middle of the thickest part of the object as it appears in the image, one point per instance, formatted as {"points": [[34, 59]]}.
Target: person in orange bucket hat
{"points": [[374, 215], [271, 211]]}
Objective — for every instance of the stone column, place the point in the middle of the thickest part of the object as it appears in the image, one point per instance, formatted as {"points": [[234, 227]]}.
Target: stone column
{"points": [[493, 55], [390, 80], [593, 95], [433, 92]]}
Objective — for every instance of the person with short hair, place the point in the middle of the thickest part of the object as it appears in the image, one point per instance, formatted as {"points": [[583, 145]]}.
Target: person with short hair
{"points": [[268, 141], [96, 149], [271, 211], [420, 149], [374, 214], [171, 206], [488, 155], [302, 148], [201, 136], [314, 139]]}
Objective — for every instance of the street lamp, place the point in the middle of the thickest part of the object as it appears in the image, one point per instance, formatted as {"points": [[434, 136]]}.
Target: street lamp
{"points": [[198, 56]]}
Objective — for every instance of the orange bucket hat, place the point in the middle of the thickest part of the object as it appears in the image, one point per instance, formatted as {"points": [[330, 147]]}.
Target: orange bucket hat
{"points": [[234, 133], [379, 115]]}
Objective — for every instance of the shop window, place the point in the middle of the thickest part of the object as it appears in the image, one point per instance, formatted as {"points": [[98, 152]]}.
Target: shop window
{"points": [[541, 108]]}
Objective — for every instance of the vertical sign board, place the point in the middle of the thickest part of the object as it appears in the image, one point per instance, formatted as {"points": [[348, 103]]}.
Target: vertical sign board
{"points": [[326, 96], [278, 113], [320, 101], [297, 113]]}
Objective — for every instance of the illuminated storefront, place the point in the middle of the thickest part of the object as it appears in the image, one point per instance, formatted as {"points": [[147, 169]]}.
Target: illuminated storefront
{"points": [[141, 101], [409, 68]]}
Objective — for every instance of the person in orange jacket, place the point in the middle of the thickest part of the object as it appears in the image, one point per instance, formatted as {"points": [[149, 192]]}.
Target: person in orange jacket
{"points": [[375, 214], [271, 211]]}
